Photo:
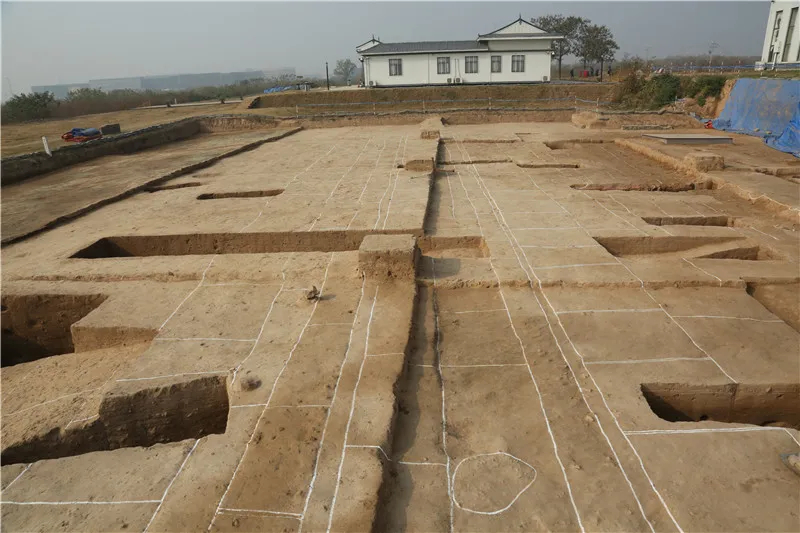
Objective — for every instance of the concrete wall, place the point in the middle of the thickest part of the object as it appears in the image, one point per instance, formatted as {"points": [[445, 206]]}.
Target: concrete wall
{"points": [[778, 44], [421, 69]]}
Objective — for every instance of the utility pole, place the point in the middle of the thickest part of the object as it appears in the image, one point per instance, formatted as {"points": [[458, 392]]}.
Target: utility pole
{"points": [[327, 79], [712, 45]]}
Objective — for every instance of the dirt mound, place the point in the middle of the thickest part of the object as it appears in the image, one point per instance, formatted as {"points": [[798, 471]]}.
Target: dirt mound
{"points": [[585, 91]]}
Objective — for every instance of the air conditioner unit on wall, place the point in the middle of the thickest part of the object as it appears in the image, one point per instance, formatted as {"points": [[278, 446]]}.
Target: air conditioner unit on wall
{"points": [[372, 83], [544, 78], [449, 80], [458, 80]]}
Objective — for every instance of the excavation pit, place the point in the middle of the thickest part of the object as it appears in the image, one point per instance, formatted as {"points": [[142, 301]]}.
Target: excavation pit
{"points": [[222, 243], [239, 194], [776, 405], [39, 325]]}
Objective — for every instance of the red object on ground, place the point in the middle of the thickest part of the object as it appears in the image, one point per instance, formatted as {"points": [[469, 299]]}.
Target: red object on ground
{"points": [[70, 138], [709, 125]]}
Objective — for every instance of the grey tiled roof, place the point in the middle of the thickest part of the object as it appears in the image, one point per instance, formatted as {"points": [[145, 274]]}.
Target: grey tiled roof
{"points": [[521, 35], [423, 47]]}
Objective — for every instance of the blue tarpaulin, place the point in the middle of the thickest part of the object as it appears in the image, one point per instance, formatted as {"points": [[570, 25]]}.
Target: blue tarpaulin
{"points": [[769, 109], [279, 89]]}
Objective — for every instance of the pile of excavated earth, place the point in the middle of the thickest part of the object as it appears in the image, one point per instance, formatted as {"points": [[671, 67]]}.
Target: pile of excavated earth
{"points": [[427, 327]]}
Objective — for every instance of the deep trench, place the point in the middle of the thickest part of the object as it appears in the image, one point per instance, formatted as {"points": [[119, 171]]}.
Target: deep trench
{"points": [[773, 405]]}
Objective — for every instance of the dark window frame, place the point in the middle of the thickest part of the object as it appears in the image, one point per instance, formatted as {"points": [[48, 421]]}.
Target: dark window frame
{"points": [[518, 63], [497, 61], [443, 65], [470, 62], [396, 66]]}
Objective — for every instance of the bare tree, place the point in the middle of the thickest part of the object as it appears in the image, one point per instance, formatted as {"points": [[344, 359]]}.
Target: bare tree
{"points": [[344, 69], [597, 44], [570, 27]]}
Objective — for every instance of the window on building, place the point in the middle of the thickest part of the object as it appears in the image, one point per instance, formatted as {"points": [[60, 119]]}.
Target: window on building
{"points": [[395, 67], [776, 30], [789, 33], [471, 64], [443, 65], [518, 63], [497, 63]]}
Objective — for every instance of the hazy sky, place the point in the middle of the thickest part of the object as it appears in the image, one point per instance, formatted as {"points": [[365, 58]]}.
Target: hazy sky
{"points": [[67, 42]]}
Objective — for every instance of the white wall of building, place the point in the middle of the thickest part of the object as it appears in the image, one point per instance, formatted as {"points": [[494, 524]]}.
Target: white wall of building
{"points": [[421, 69], [776, 41]]}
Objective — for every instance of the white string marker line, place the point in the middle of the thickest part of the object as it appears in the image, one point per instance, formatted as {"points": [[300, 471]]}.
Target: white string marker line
{"points": [[438, 357], [385, 456], [574, 266], [638, 361], [266, 318], [199, 284], [83, 502], [761, 232], [792, 436], [385, 354], [347, 228], [269, 398], [330, 324], [197, 339], [287, 185], [524, 355], [259, 511], [372, 172], [568, 247], [314, 223], [484, 365], [163, 376], [479, 311], [396, 178], [352, 410], [452, 199], [580, 311], [18, 476], [333, 400], [512, 502], [558, 344], [25, 409], [701, 430], [386, 190], [80, 420], [729, 318], [558, 228], [703, 271], [164, 496], [608, 408]]}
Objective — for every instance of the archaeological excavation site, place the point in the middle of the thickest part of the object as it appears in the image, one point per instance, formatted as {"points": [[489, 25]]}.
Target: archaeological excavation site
{"points": [[453, 322]]}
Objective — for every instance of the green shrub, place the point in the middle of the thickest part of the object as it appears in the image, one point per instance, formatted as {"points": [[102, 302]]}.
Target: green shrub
{"points": [[703, 86], [701, 100], [659, 91]]}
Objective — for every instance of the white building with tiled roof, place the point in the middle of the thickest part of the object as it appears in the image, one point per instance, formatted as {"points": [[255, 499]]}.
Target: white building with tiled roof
{"points": [[516, 53]]}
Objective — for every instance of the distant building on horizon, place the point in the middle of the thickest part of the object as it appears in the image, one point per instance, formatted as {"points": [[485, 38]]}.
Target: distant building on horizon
{"points": [[168, 82]]}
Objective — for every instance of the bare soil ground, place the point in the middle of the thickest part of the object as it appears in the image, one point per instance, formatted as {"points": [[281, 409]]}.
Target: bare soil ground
{"points": [[587, 337]]}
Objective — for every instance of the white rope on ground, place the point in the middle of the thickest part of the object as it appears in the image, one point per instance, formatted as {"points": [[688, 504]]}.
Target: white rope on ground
{"points": [[269, 398], [703, 271], [701, 430], [166, 491], [504, 227], [352, 410], [83, 502], [369, 178], [260, 511], [640, 361], [530, 372], [18, 476], [211, 372], [333, 400], [729, 318], [396, 177], [496, 511], [197, 339], [314, 223], [386, 190], [603, 398], [580, 311]]}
